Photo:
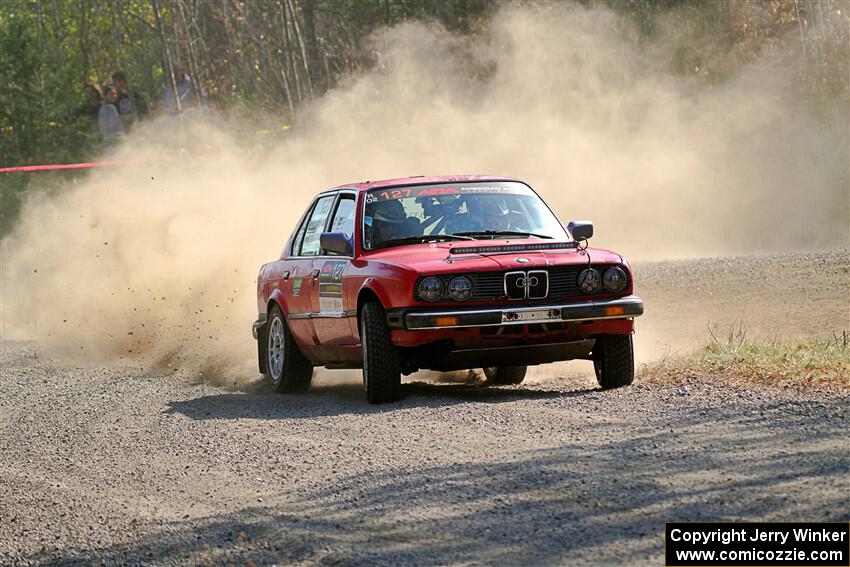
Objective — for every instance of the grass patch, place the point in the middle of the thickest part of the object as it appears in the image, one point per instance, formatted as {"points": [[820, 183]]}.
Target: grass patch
{"points": [[738, 358]]}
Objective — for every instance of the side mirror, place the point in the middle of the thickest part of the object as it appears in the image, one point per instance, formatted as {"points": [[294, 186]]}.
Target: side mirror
{"points": [[581, 230], [336, 243]]}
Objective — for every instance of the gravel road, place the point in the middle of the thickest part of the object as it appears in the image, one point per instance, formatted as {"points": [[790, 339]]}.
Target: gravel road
{"points": [[112, 465]]}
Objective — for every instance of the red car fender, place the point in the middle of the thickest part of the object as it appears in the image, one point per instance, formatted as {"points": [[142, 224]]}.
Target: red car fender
{"points": [[278, 297], [370, 286], [375, 286]]}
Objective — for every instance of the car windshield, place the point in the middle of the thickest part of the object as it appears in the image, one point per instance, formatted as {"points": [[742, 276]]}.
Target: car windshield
{"points": [[456, 211]]}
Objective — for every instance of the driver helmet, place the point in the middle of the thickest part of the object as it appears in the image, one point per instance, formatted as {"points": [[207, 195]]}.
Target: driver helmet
{"points": [[390, 211], [493, 208]]}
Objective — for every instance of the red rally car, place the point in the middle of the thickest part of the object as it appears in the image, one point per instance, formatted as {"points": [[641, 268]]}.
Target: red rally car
{"points": [[441, 273]]}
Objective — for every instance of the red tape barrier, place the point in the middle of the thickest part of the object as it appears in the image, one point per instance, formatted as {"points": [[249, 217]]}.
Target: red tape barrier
{"points": [[68, 166]]}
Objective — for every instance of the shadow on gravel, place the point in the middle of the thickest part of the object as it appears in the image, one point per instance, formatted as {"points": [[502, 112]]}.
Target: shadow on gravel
{"points": [[348, 399], [603, 499]]}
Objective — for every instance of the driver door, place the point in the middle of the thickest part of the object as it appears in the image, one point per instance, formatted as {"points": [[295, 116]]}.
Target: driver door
{"points": [[331, 311]]}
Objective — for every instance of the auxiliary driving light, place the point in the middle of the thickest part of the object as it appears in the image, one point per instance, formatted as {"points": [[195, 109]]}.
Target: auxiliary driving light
{"points": [[589, 280], [614, 279], [460, 288], [431, 289]]}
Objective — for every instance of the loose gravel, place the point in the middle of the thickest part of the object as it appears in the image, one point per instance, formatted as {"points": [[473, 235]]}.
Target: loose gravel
{"points": [[117, 466]]}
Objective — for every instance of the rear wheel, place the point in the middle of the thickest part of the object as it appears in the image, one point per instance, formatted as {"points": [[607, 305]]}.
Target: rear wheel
{"points": [[614, 361], [381, 362], [505, 374], [287, 368]]}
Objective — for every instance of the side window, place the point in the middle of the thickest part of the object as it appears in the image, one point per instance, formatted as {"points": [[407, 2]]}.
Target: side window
{"points": [[344, 216], [315, 226], [299, 237]]}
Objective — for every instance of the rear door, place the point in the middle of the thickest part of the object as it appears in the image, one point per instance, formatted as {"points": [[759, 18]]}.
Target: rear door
{"points": [[304, 273], [329, 308]]}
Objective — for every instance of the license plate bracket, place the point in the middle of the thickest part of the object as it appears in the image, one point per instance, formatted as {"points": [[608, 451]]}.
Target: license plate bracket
{"points": [[531, 315]]}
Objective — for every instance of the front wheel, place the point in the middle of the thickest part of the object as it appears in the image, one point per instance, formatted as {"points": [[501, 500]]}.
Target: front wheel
{"points": [[505, 374], [614, 361], [381, 362], [286, 367]]}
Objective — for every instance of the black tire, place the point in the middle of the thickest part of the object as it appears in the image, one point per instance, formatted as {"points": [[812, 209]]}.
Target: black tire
{"points": [[614, 361], [381, 361], [287, 368], [505, 374]]}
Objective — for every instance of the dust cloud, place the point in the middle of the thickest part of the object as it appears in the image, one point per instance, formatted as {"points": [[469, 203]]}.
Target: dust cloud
{"points": [[156, 262]]}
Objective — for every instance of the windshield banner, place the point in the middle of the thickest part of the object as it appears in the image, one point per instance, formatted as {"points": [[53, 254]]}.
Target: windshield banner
{"points": [[376, 195]]}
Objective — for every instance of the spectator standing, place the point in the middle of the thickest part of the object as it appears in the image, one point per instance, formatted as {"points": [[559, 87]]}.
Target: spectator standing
{"points": [[130, 104], [91, 107], [186, 92], [108, 121], [82, 122]]}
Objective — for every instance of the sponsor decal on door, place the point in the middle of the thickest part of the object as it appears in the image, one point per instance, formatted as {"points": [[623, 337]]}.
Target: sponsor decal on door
{"points": [[330, 286]]}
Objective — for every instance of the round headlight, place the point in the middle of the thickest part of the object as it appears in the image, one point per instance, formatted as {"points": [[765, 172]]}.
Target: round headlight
{"points": [[589, 280], [614, 279], [460, 288], [431, 289]]}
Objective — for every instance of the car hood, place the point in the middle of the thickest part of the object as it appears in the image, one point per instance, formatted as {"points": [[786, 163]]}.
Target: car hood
{"points": [[447, 257]]}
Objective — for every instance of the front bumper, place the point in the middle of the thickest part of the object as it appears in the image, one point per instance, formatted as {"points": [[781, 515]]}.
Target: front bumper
{"points": [[259, 326], [592, 310]]}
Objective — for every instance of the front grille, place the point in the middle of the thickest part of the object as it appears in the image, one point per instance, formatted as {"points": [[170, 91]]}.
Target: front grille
{"points": [[515, 285], [533, 284], [555, 283], [563, 281], [537, 283], [486, 285]]}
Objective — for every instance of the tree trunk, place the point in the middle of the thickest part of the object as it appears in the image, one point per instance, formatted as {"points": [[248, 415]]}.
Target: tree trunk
{"points": [[194, 72], [290, 57], [302, 48], [84, 38], [308, 9], [166, 55]]}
